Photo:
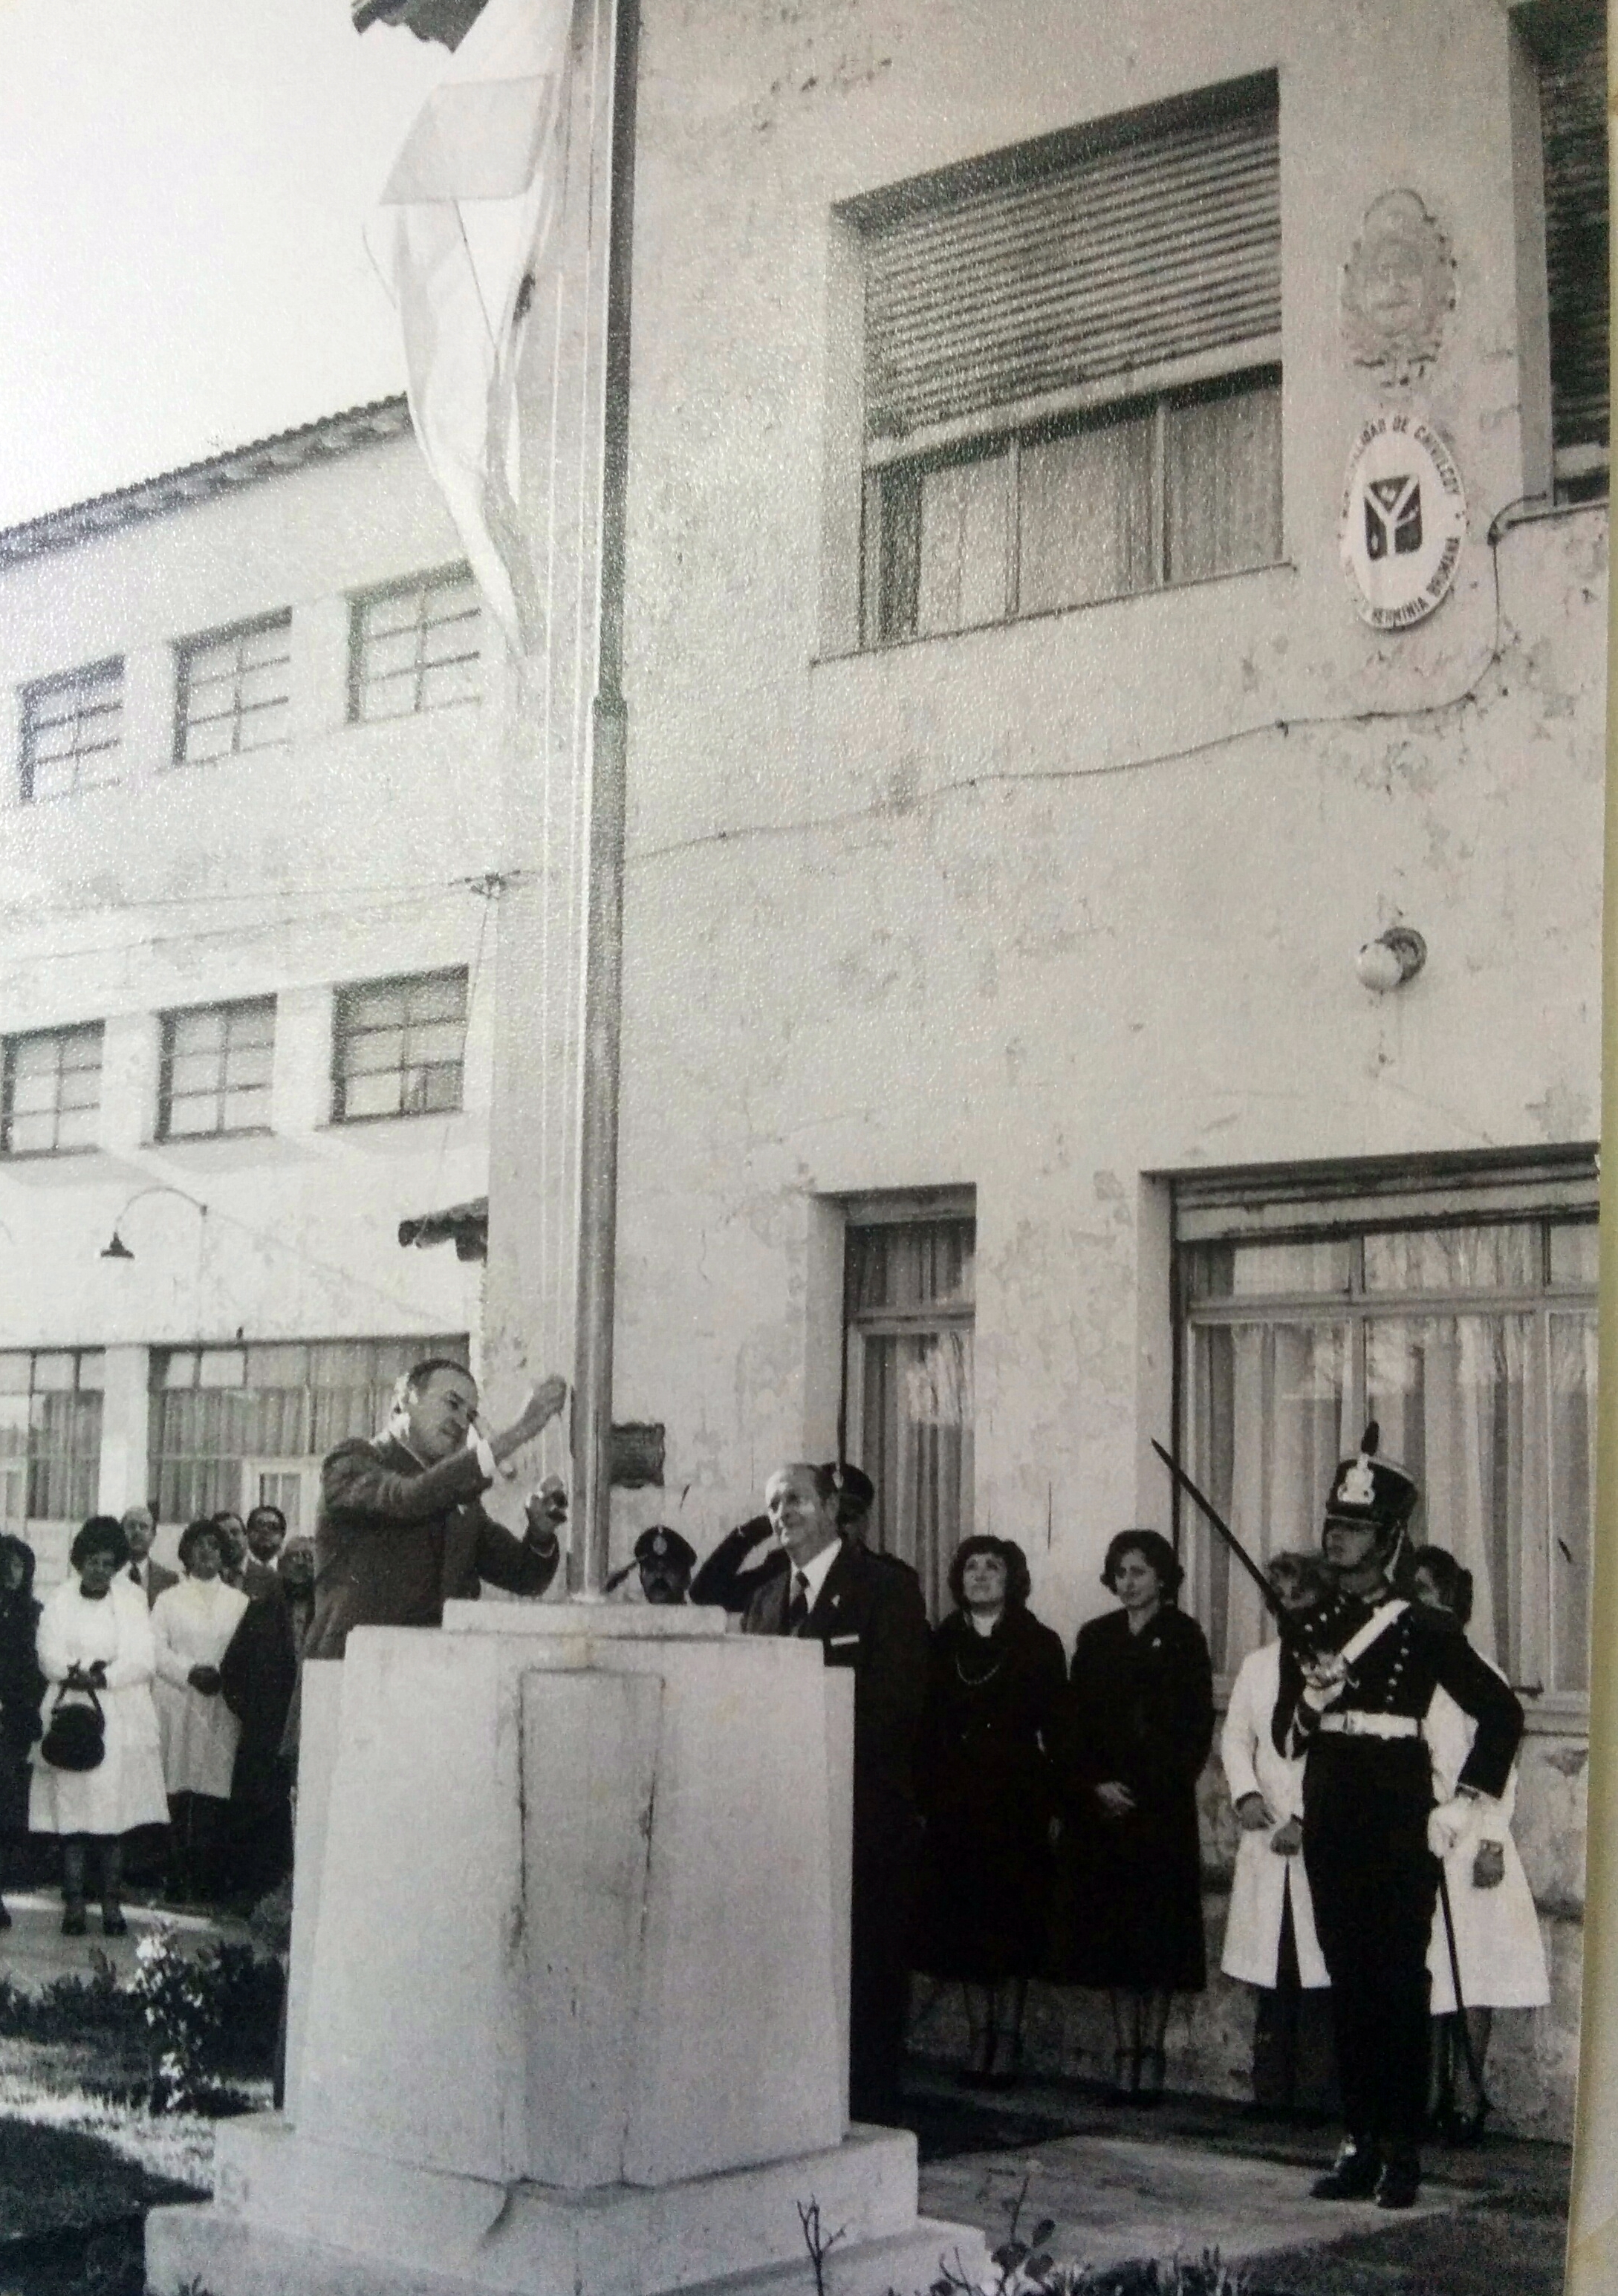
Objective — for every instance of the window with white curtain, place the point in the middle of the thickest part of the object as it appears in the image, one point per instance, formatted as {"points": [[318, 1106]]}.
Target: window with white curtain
{"points": [[910, 1291], [1473, 1347], [236, 1426], [1071, 372]]}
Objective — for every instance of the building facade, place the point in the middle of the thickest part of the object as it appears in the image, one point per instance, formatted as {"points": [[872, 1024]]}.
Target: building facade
{"points": [[1040, 692], [1116, 572], [247, 964]]}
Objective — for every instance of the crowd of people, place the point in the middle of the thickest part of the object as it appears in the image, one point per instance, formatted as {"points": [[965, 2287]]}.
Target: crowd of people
{"points": [[1015, 1815], [144, 1711]]}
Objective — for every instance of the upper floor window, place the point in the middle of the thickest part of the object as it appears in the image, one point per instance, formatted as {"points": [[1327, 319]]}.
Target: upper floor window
{"points": [[234, 691], [1072, 368], [907, 1395], [414, 646], [49, 1097], [1568, 39], [400, 1047], [71, 729], [1459, 1314], [215, 1076]]}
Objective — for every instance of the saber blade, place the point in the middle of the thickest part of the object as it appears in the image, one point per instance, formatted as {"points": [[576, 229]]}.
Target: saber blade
{"points": [[1208, 1508]]}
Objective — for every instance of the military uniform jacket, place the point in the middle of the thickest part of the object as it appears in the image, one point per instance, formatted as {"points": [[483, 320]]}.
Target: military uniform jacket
{"points": [[394, 1541], [1420, 1652]]}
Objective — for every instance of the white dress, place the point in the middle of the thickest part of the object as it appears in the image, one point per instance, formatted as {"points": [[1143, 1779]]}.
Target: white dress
{"points": [[1264, 1879], [125, 1788], [192, 1624], [1496, 1932]]}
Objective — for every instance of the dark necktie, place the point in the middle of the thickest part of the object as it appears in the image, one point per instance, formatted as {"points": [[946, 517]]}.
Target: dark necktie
{"points": [[135, 1572], [797, 1610]]}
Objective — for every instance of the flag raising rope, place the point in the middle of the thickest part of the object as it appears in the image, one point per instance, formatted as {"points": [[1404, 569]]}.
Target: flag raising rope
{"points": [[465, 225]]}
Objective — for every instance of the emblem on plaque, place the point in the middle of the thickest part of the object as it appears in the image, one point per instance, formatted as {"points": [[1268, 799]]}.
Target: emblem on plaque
{"points": [[1398, 288], [1403, 522]]}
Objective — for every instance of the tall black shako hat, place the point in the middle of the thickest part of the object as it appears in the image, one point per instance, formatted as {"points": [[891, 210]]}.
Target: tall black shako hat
{"points": [[1370, 1489]]}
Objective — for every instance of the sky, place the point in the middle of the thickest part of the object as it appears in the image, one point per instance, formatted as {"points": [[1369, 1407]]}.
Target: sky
{"points": [[183, 187]]}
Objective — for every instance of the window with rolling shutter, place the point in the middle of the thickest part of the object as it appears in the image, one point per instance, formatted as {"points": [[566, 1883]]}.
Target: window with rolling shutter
{"points": [[1568, 39], [1072, 368]]}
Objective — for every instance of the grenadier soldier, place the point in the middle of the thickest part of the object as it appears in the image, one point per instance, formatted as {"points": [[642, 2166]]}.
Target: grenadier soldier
{"points": [[1355, 1688]]}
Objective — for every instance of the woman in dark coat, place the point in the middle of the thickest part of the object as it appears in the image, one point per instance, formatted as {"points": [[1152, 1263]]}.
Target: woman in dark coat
{"points": [[21, 1689], [257, 1676], [988, 1795], [1137, 1730]]}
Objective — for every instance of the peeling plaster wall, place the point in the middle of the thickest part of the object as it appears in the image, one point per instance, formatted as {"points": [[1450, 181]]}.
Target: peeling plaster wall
{"points": [[1048, 907]]}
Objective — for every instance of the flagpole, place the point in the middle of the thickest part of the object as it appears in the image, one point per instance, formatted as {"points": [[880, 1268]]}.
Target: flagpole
{"points": [[604, 895]]}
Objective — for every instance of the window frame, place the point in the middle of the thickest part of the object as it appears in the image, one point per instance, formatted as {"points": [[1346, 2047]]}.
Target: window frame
{"points": [[344, 1035], [423, 587], [209, 1477], [228, 1009], [960, 214], [1153, 407], [79, 1029], [79, 1461], [1549, 1194], [898, 1210], [187, 652], [81, 679]]}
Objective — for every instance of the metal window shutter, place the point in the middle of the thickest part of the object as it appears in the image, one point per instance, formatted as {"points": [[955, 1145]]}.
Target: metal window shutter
{"points": [[1572, 106], [1467, 1187], [1154, 250]]}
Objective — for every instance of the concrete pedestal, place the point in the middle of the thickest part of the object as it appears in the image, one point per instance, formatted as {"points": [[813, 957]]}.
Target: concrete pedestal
{"points": [[569, 1978]]}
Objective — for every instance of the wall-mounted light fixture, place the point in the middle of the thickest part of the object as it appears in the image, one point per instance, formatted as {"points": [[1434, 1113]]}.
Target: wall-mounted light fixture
{"points": [[115, 1248], [1392, 958]]}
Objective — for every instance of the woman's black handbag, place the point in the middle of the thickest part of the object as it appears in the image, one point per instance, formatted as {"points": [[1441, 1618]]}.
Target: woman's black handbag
{"points": [[76, 1737]]}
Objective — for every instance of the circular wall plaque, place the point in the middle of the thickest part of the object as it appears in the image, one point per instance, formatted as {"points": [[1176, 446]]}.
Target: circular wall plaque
{"points": [[1404, 518]]}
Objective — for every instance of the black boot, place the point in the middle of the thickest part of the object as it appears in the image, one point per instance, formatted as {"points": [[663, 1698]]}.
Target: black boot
{"points": [[1353, 2175], [1400, 2181]]}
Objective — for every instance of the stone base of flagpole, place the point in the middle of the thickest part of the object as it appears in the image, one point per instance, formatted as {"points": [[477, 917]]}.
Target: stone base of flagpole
{"points": [[568, 2008]]}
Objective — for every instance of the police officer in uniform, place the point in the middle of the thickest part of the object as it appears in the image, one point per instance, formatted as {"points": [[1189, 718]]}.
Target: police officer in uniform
{"points": [[1355, 1686], [665, 1561]]}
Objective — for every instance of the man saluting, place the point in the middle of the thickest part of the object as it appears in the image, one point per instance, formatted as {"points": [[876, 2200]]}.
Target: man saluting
{"points": [[1355, 1688]]}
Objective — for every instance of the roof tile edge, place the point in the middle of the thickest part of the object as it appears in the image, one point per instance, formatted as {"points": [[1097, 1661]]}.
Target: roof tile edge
{"points": [[262, 458]]}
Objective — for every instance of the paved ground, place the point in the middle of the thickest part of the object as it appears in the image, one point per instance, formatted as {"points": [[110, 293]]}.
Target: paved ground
{"points": [[1127, 2184], [33, 1951]]}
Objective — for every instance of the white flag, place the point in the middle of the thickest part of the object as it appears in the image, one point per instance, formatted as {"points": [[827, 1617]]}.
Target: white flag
{"points": [[465, 225]]}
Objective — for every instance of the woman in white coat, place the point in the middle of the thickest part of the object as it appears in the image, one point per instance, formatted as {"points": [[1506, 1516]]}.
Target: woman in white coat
{"points": [[94, 1632], [192, 1624], [1497, 1944], [1270, 1934]]}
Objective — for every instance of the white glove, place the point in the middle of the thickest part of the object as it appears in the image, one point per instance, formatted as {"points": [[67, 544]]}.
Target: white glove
{"points": [[479, 1442], [1450, 1823], [1323, 1682]]}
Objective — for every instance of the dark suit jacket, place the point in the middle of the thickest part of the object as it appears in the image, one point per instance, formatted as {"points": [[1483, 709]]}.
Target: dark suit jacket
{"points": [[157, 1581], [869, 1615], [395, 1540]]}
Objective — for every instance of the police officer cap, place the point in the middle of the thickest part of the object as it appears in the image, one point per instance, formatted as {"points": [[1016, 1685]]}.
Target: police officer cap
{"points": [[855, 1490], [1367, 1488], [661, 1545]]}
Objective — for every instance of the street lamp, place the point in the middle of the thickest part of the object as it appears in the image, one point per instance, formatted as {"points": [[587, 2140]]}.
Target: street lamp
{"points": [[115, 1248]]}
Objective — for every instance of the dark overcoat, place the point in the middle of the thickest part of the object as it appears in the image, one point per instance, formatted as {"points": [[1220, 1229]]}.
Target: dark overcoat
{"points": [[869, 1616], [394, 1541], [1139, 1711], [988, 1794]]}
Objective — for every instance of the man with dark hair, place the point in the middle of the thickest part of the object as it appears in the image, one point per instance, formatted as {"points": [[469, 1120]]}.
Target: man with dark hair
{"points": [[399, 1530], [665, 1562], [1354, 1687], [266, 1531], [866, 1613]]}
